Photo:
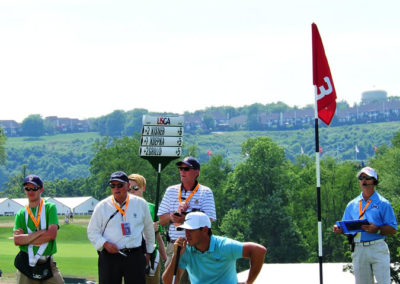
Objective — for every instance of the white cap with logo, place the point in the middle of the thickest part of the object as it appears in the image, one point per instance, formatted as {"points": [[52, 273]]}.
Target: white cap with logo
{"points": [[369, 172], [195, 220]]}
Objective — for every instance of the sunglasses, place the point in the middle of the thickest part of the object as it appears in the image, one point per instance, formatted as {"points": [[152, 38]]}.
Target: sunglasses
{"points": [[185, 169], [365, 177], [118, 185], [134, 187], [32, 188]]}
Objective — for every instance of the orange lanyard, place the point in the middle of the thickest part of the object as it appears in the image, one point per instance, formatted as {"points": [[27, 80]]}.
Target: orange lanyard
{"points": [[190, 196], [362, 211], [122, 211], [35, 221]]}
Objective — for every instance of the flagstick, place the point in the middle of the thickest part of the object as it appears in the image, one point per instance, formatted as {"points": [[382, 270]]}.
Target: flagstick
{"points": [[318, 189]]}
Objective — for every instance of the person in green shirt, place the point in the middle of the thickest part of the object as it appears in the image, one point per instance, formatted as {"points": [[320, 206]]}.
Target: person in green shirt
{"points": [[137, 186], [35, 232]]}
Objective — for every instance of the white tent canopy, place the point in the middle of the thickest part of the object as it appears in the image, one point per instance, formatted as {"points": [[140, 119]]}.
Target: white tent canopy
{"points": [[9, 207], [65, 205]]}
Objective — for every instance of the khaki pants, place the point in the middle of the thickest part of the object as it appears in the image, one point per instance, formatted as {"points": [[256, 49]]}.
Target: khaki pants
{"points": [[370, 261], [56, 279], [170, 252]]}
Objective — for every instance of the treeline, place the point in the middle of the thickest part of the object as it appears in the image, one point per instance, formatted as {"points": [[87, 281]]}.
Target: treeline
{"points": [[255, 117], [265, 198]]}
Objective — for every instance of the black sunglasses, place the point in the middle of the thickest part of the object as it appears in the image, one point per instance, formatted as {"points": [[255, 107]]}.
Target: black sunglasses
{"points": [[185, 169], [365, 177], [118, 185], [134, 187], [32, 188]]}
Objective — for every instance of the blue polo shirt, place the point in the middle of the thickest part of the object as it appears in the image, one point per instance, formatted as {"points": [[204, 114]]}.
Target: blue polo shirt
{"points": [[379, 212], [217, 265]]}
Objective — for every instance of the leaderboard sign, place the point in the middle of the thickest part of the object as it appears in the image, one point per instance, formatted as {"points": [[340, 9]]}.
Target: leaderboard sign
{"points": [[161, 138]]}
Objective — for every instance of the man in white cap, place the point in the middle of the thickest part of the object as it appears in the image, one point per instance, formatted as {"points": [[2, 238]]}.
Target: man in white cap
{"points": [[371, 255], [211, 259]]}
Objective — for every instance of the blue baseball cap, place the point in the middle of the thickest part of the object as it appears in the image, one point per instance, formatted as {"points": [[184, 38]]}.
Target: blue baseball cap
{"points": [[190, 162], [119, 176], [33, 179]]}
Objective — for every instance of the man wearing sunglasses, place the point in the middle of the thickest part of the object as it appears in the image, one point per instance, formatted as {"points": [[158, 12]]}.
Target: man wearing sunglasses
{"points": [[180, 199], [116, 229], [35, 233], [371, 256]]}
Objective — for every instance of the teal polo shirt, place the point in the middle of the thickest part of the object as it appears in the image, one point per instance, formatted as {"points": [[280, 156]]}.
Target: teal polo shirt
{"points": [[217, 265]]}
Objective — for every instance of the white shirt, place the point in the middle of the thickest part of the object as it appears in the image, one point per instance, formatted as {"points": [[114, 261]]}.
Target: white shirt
{"points": [[202, 200], [137, 215]]}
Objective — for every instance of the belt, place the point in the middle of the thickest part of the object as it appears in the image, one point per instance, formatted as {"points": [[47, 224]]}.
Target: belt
{"points": [[369, 243], [131, 250]]}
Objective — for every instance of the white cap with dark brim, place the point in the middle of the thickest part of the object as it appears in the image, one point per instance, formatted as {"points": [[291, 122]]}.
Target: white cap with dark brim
{"points": [[195, 220]]}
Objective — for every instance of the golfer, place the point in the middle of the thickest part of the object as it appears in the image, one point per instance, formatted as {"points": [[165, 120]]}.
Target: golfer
{"points": [[208, 258]]}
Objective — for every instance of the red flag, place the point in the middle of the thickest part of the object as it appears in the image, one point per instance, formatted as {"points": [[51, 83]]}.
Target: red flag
{"points": [[375, 148], [320, 149], [209, 153], [322, 79]]}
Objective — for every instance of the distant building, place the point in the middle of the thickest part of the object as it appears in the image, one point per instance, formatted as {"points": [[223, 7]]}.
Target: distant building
{"points": [[372, 96], [79, 205], [10, 127], [65, 205], [9, 207]]}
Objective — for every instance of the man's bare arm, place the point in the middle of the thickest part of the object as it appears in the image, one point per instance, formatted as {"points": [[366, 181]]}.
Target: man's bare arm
{"points": [[256, 253], [49, 235]]}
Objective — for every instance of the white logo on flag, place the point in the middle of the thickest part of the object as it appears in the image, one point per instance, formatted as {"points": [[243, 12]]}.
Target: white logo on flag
{"points": [[324, 92]]}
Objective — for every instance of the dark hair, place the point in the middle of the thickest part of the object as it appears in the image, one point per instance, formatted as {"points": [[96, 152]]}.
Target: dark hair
{"points": [[209, 231]]}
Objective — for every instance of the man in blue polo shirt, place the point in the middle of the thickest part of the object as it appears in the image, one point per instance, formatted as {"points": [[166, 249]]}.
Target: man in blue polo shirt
{"points": [[371, 254], [209, 258]]}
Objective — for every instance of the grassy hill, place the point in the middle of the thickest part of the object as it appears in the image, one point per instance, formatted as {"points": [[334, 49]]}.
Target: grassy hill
{"points": [[68, 155]]}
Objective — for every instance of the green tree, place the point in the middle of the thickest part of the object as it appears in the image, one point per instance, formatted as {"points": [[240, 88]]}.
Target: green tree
{"points": [[123, 155], [14, 185], [209, 122], [115, 123], [3, 154], [256, 192], [33, 125], [214, 174], [134, 121]]}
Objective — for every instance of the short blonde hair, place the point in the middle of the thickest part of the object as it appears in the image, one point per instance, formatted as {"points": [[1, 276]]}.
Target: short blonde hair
{"points": [[139, 179]]}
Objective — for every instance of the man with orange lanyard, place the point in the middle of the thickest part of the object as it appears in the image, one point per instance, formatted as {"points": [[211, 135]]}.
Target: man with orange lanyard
{"points": [[180, 199], [371, 256], [35, 232], [115, 230]]}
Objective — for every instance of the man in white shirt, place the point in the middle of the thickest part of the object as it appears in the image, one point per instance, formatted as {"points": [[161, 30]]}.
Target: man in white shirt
{"points": [[115, 230]]}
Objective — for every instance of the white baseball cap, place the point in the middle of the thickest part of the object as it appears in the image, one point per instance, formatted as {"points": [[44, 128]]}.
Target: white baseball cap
{"points": [[369, 172], [195, 220]]}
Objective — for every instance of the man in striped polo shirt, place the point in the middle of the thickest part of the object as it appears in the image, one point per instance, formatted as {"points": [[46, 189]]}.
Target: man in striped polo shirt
{"points": [[180, 199]]}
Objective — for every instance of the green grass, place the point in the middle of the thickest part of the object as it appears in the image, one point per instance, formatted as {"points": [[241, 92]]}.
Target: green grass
{"points": [[75, 257], [18, 142]]}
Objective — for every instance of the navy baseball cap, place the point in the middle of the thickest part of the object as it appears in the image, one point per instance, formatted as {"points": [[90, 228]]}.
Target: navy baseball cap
{"points": [[33, 179], [190, 162], [119, 176]]}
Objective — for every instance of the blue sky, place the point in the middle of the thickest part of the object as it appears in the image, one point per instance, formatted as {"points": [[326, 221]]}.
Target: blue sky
{"points": [[86, 58]]}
